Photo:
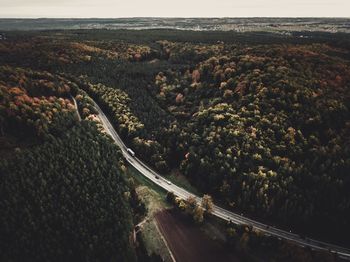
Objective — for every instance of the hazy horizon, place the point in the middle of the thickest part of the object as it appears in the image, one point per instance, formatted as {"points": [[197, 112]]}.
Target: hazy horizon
{"points": [[174, 9], [180, 17]]}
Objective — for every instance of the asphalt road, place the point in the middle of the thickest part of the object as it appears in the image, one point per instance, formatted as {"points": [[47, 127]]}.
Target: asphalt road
{"points": [[217, 211]]}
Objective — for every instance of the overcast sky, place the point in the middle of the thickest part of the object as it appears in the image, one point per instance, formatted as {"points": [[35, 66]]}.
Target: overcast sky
{"points": [[174, 8]]}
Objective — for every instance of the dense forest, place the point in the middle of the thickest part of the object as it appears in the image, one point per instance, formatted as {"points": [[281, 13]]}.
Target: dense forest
{"points": [[64, 193], [259, 121]]}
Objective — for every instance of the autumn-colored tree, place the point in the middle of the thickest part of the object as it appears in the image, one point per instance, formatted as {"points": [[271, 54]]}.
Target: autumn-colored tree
{"points": [[198, 214], [196, 76], [179, 98], [181, 204], [191, 204], [207, 203]]}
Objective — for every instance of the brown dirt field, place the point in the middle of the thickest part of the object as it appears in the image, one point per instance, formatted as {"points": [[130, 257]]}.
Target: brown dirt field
{"points": [[187, 242]]}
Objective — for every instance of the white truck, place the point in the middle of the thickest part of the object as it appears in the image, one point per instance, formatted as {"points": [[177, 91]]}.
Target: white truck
{"points": [[132, 153]]}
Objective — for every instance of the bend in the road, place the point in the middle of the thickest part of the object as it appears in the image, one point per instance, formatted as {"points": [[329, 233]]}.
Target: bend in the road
{"points": [[217, 211]]}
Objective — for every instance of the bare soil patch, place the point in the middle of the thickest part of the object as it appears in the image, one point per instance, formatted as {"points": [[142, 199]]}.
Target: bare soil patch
{"points": [[187, 242]]}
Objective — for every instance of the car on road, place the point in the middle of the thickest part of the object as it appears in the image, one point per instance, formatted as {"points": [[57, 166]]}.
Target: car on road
{"points": [[221, 213], [132, 153], [168, 182]]}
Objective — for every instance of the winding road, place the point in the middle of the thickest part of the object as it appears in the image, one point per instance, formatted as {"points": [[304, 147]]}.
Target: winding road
{"points": [[217, 211]]}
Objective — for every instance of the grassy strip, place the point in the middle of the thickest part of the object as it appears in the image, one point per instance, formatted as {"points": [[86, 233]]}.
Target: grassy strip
{"points": [[182, 181], [141, 180]]}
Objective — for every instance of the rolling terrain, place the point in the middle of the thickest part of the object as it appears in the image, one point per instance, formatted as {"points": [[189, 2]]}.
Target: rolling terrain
{"points": [[276, 25], [258, 120]]}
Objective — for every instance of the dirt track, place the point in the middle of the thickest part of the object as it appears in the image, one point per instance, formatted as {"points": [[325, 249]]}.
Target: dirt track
{"points": [[187, 242]]}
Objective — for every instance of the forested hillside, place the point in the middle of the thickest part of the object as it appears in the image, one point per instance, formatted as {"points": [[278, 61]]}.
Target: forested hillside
{"points": [[64, 195], [260, 121], [266, 130]]}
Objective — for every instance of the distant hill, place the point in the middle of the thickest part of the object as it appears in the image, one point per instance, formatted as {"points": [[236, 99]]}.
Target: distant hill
{"points": [[279, 25]]}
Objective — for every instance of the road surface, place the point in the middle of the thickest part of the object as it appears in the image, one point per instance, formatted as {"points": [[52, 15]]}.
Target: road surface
{"points": [[217, 211], [76, 107]]}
